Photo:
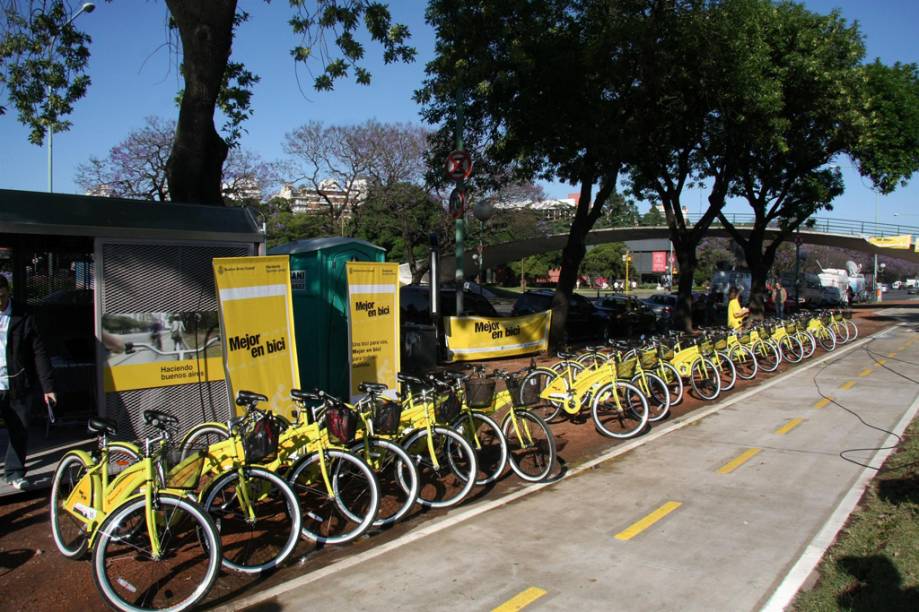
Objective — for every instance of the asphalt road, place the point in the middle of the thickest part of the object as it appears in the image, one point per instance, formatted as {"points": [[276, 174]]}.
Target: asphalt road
{"points": [[710, 515]]}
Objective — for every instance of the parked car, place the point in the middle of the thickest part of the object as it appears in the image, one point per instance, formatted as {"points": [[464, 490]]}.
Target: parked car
{"points": [[585, 319], [669, 300], [633, 317]]}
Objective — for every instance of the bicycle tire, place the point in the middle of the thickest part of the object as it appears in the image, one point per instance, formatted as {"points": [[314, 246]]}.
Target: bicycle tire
{"points": [[548, 410], [826, 338], [396, 475], [631, 419], [69, 533], [727, 371], [792, 351], [658, 395], [704, 379], [488, 443], [767, 356], [744, 362], [202, 436], [436, 482], [531, 454], [260, 542], [120, 456], [345, 512], [808, 344], [196, 545], [852, 329], [670, 375]]}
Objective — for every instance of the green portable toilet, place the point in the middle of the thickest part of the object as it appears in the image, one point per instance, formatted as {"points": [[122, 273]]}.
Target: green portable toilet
{"points": [[320, 298]]}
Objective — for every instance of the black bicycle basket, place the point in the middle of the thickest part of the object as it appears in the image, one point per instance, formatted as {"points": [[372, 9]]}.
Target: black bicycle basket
{"points": [[341, 423], [447, 408], [386, 417], [523, 394], [260, 441], [480, 392]]}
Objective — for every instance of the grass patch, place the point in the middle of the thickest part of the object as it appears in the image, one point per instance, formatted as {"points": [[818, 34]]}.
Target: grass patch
{"points": [[874, 563]]}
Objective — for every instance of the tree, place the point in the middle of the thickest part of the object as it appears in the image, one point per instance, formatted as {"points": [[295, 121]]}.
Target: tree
{"points": [[283, 225], [136, 168], [535, 265], [544, 89], [654, 217], [36, 72], [401, 218], [712, 254], [342, 163], [605, 260]]}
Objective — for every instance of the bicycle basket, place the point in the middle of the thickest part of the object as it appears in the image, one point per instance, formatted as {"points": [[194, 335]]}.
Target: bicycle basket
{"points": [[791, 328], [706, 348], [847, 314], [837, 316], [183, 473], [721, 344], [745, 339], [480, 392], [341, 423], [522, 395], [667, 353], [649, 358], [260, 442], [447, 408], [386, 417], [626, 369]]}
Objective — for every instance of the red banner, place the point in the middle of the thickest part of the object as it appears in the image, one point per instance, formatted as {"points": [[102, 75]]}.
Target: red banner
{"points": [[659, 261]]}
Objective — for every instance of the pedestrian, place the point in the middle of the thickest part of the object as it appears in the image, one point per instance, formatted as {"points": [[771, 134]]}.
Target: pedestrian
{"points": [[23, 363], [177, 332], [736, 312], [779, 295]]}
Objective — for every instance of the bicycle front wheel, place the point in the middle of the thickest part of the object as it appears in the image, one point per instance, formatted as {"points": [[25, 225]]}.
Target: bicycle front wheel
{"points": [[446, 466], [705, 379], [486, 439], [726, 371], [533, 384], [130, 575], [767, 356], [69, 533], [396, 475], [657, 394], [808, 344], [619, 410], [852, 329], [744, 362], [826, 338], [257, 517], [346, 510], [671, 376], [792, 351], [531, 445]]}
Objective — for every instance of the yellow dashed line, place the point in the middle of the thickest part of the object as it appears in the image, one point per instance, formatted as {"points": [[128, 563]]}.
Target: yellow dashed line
{"points": [[638, 526], [823, 403], [521, 600], [739, 460], [881, 362], [865, 372], [847, 385], [784, 429]]}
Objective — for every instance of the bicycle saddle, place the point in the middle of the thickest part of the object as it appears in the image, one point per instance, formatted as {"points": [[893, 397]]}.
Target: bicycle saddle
{"points": [[372, 387], [405, 378], [99, 425], [160, 420], [306, 396], [564, 355], [245, 398]]}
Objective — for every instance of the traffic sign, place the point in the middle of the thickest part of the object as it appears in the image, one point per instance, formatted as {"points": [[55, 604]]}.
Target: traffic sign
{"points": [[457, 203], [459, 165]]}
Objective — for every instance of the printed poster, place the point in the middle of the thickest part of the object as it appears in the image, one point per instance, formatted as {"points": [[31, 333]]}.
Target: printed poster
{"points": [[471, 338], [904, 241], [373, 323], [257, 324]]}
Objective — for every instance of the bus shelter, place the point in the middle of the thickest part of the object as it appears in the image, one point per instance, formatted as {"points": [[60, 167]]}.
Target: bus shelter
{"points": [[123, 293]]}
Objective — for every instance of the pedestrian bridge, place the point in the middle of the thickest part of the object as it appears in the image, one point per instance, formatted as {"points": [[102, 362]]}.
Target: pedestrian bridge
{"points": [[841, 233]]}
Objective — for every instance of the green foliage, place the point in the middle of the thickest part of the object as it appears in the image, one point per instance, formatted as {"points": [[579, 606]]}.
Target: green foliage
{"points": [[536, 265], [712, 253], [285, 226], [605, 260], [887, 150], [621, 212], [654, 217], [43, 59]]}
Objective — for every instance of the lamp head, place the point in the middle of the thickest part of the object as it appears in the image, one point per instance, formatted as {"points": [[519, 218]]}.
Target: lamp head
{"points": [[88, 7]]}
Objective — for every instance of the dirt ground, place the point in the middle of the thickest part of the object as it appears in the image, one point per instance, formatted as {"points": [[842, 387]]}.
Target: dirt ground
{"points": [[34, 576]]}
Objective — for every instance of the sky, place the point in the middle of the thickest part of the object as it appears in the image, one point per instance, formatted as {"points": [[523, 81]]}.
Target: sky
{"points": [[134, 76]]}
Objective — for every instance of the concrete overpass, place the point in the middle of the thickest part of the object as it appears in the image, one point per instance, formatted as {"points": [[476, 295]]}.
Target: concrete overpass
{"points": [[841, 233]]}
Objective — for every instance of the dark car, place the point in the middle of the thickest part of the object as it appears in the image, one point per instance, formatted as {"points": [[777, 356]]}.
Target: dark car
{"points": [[585, 319], [633, 317], [701, 311]]}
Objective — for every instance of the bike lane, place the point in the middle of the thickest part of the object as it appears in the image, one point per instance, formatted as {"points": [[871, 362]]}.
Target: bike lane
{"points": [[710, 516]]}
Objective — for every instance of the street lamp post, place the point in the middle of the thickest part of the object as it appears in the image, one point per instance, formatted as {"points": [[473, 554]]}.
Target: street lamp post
{"points": [[87, 7]]}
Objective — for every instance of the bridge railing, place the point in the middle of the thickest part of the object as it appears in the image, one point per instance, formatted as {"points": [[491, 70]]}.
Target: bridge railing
{"points": [[826, 225]]}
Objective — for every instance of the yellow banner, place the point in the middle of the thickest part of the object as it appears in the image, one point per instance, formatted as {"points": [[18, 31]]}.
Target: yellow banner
{"points": [[373, 317], [470, 338], [904, 241], [257, 327], [163, 374]]}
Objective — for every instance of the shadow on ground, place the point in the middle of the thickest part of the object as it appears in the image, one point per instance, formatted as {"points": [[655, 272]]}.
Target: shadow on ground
{"points": [[878, 586]]}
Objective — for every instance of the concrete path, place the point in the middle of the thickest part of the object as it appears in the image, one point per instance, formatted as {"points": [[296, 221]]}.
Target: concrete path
{"points": [[711, 516]]}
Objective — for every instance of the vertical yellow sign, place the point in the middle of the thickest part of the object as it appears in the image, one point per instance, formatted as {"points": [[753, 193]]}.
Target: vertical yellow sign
{"points": [[257, 325], [373, 322]]}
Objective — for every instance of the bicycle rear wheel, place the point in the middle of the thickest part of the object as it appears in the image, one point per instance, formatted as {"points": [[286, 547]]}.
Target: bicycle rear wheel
{"points": [[131, 577], [69, 533], [484, 436], [658, 395], [808, 344], [258, 527], [344, 512], [531, 445], [538, 379], [396, 475], [726, 371], [705, 379], [852, 329], [767, 356], [619, 410], [447, 476], [744, 362], [671, 376], [826, 338], [792, 351]]}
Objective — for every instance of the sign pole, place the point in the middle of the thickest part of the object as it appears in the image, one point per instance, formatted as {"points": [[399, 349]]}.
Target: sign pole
{"points": [[459, 278]]}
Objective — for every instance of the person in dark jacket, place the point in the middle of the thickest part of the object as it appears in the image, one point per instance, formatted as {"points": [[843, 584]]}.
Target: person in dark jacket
{"points": [[23, 364]]}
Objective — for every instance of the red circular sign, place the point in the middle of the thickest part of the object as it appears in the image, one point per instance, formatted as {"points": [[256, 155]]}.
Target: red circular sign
{"points": [[457, 203], [459, 165]]}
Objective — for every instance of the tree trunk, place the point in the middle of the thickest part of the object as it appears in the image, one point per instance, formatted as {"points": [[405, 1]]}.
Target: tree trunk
{"points": [[195, 166], [686, 259], [572, 256]]}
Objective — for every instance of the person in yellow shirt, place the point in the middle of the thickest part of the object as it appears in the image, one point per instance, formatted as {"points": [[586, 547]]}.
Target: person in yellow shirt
{"points": [[736, 313]]}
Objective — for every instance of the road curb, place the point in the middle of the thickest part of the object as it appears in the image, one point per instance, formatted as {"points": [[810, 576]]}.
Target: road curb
{"points": [[466, 514]]}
